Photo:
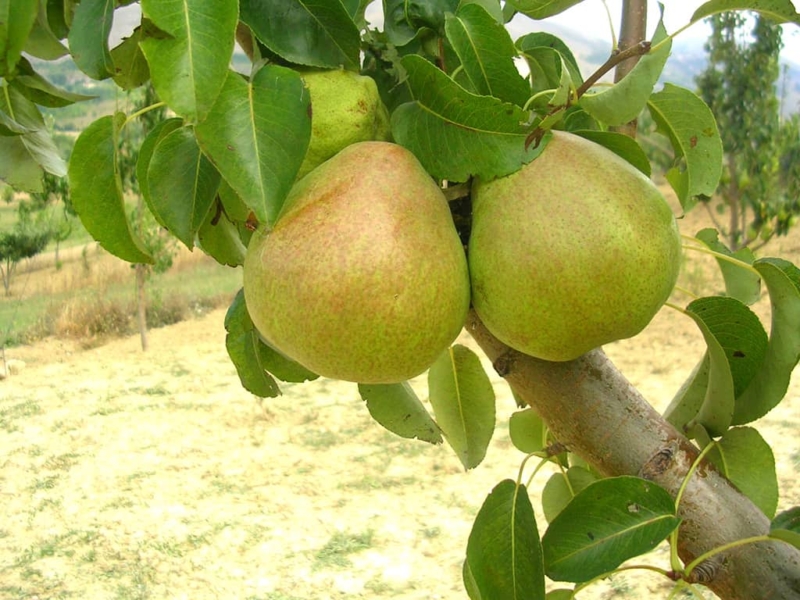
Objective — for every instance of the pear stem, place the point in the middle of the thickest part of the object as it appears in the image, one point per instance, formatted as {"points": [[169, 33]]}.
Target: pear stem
{"points": [[456, 192]]}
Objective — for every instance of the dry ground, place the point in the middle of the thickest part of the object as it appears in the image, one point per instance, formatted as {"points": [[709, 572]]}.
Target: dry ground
{"points": [[126, 475]]}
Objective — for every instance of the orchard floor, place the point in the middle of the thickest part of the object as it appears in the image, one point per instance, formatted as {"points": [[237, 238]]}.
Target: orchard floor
{"points": [[130, 475]]}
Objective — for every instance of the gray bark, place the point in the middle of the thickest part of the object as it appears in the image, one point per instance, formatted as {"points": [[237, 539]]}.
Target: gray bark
{"points": [[596, 413]]}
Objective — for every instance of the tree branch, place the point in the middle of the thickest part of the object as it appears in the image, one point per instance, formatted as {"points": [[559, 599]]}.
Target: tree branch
{"points": [[594, 411], [632, 31]]}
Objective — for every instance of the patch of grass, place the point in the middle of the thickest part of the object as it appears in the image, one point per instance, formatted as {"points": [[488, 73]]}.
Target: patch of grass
{"points": [[61, 462], [43, 483], [275, 596], [372, 482], [21, 410], [336, 551], [52, 546], [320, 440]]}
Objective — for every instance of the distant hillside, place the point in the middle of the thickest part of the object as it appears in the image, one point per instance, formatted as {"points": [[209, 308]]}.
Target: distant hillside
{"points": [[687, 61]]}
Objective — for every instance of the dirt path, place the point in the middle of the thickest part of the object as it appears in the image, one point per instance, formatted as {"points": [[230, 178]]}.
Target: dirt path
{"points": [[132, 476]]}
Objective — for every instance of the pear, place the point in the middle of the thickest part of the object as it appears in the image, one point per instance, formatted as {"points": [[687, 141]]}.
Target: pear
{"points": [[363, 277], [345, 108], [575, 250]]}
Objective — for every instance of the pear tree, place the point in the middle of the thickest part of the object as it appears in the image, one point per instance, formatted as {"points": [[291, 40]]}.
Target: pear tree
{"points": [[386, 176]]}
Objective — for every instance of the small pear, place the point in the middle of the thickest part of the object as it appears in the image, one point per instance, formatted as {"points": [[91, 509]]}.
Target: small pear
{"points": [[575, 250], [363, 277], [345, 108]]}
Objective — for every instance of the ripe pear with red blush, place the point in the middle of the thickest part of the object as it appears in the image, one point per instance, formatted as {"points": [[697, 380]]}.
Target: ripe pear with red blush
{"points": [[363, 277]]}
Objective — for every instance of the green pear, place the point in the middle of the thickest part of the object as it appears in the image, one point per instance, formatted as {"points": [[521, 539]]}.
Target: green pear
{"points": [[363, 277], [345, 108], [575, 250]]}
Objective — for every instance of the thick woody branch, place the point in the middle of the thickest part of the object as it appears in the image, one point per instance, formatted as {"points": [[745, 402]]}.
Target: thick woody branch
{"points": [[594, 411]]}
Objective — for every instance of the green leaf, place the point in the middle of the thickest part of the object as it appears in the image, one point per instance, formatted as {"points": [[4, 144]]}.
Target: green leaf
{"points": [[24, 156], [9, 127], [690, 126], [42, 42], [780, 11], [456, 134], [487, 54], [620, 144], [541, 9], [547, 55], [561, 488], [740, 283], [330, 38], [470, 585], [17, 167], [527, 431], [88, 37], [790, 537], [737, 344], [404, 19], [689, 399], [96, 190], [624, 101], [490, 6], [769, 386], [40, 91], [747, 461], [57, 13], [244, 349], [146, 154], [130, 65], [788, 519], [396, 407], [254, 357], [183, 184], [219, 238], [189, 66], [463, 403], [607, 523], [504, 554], [16, 20], [257, 134], [561, 594]]}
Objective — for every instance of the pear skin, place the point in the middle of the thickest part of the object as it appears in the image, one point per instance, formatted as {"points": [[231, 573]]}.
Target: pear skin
{"points": [[363, 277], [575, 250]]}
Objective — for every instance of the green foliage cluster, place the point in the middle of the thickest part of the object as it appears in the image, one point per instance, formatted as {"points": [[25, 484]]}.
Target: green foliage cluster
{"points": [[225, 158]]}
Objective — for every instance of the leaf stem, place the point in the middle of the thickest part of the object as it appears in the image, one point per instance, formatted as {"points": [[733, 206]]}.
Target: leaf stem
{"points": [[673, 536], [674, 306], [536, 96], [639, 49], [719, 255], [723, 548], [686, 291], [144, 110]]}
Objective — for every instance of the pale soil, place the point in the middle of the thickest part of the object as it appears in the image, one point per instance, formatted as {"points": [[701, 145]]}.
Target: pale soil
{"points": [[129, 475]]}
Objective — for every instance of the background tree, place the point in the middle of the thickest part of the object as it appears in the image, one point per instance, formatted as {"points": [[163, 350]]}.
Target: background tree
{"points": [[740, 85], [56, 189], [155, 238], [228, 159], [25, 241]]}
